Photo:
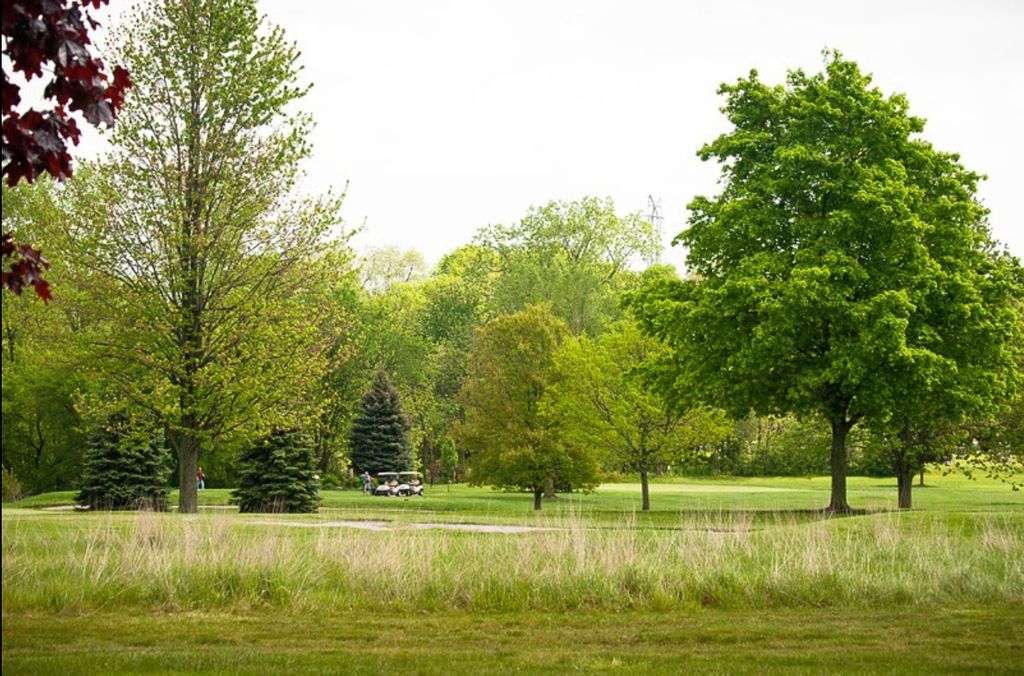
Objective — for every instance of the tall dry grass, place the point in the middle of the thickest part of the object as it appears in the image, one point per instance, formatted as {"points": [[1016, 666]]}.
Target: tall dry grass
{"points": [[154, 561]]}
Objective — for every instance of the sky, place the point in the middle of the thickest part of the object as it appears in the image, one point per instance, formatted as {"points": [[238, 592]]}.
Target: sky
{"points": [[446, 116]]}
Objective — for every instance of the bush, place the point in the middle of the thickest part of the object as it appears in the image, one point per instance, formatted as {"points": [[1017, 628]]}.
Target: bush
{"points": [[12, 488], [125, 467], [278, 475]]}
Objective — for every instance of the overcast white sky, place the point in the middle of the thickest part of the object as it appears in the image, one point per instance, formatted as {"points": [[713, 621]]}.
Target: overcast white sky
{"points": [[446, 116]]}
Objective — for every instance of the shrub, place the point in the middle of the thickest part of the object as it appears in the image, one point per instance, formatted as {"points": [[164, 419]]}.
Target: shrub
{"points": [[125, 467], [277, 474], [12, 488]]}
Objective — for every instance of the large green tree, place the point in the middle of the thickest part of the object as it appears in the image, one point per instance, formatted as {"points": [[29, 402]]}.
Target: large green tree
{"points": [[575, 256], [512, 444], [821, 274], [598, 401], [196, 244]]}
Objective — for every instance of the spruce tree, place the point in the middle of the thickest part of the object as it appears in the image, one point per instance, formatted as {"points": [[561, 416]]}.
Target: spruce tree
{"points": [[125, 467], [277, 474], [378, 441]]}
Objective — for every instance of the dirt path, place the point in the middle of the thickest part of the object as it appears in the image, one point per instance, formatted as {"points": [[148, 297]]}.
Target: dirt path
{"points": [[390, 526]]}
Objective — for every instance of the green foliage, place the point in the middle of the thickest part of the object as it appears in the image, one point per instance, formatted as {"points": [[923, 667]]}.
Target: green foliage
{"points": [[598, 402], [575, 256], [125, 466], [843, 259], [42, 360], [384, 267], [12, 488], [379, 441], [510, 443], [196, 249], [277, 474]]}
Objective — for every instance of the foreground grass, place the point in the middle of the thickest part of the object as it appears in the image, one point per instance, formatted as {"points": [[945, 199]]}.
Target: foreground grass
{"points": [[740, 576], [229, 562], [809, 641]]}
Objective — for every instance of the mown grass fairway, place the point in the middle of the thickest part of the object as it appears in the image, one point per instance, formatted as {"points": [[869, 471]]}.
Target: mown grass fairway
{"points": [[728, 575]]}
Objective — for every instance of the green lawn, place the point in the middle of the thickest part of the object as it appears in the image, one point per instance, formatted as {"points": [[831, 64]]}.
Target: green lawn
{"points": [[915, 641], [610, 502], [727, 575]]}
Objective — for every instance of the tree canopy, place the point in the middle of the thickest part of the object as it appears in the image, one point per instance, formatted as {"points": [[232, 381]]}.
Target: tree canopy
{"points": [[842, 254], [192, 240], [511, 443], [599, 402]]}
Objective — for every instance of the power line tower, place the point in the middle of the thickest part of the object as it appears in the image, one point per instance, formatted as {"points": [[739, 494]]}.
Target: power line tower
{"points": [[655, 218]]}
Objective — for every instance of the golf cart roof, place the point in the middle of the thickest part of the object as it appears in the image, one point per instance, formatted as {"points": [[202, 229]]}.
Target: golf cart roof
{"points": [[409, 474], [387, 473]]}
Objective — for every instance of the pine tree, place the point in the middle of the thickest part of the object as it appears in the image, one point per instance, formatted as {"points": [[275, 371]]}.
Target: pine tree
{"points": [[125, 467], [277, 475], [378, 440]]}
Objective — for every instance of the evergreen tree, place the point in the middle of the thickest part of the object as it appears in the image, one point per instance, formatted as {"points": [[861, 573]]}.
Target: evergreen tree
{"points": [[125, 467], [378, 440], [277, 474]]}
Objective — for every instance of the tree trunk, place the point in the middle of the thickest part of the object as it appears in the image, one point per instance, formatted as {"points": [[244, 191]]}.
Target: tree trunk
{"points": [[922, 476], [187, 447], [905, 483], [549, 488], [538, 494], [838, 503], [645, 490]]}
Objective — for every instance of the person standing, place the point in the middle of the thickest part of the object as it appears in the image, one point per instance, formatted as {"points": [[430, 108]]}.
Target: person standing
{"points": [[200, 479]]}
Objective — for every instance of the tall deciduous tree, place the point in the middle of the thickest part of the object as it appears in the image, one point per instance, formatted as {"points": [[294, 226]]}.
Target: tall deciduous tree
{"points": [[598, 401], [197, 245], [574, 256], [822, 271], [511, 443]]}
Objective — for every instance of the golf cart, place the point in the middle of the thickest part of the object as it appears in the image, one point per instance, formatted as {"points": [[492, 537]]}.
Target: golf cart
{"points": [[387, 483], [409, 484]]}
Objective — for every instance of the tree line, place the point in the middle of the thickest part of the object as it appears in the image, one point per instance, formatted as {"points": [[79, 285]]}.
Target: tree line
{"points": [[843, 306]]}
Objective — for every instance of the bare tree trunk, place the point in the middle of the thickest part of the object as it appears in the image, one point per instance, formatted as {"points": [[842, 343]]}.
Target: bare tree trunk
{"points": [[838, 503], [549, 488], [645, 490], [922, 476], [187, 446], [538, 494], [904, 485]]}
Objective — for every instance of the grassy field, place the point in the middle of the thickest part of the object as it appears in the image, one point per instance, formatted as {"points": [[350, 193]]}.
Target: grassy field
{"points": [[728, 575]]}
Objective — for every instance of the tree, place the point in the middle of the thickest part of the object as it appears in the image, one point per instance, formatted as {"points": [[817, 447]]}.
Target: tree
{"points": [[821, 271], [511, 444], [378, 441], [574, 256], [42, 358], [53, 35], [125, 467], [598, 401], [384, 266], [194, 248], [276, 474]]}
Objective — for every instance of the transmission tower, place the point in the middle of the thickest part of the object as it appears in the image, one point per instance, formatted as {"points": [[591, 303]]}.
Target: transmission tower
{"points": [[655, 218]]}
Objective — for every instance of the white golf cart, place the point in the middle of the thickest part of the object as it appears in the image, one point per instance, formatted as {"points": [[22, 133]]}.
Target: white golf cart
{"points": [[409, 484], [387, 483]]}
